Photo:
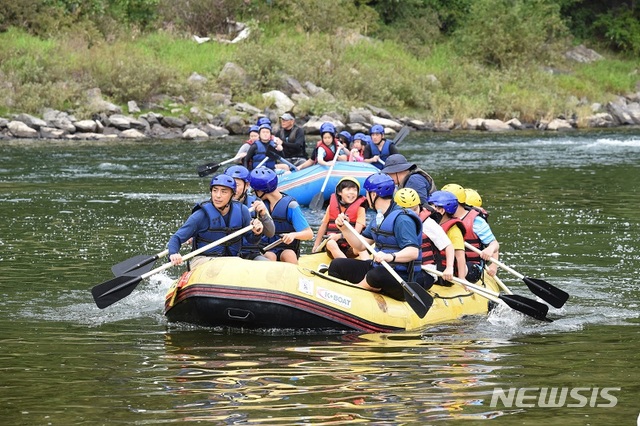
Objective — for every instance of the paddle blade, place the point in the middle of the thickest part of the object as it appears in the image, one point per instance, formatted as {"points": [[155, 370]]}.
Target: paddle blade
{"points": [[317, 202], [111, 291], [207, 169], [545, 291], [527, 306], [136, 265], [417, 297]]}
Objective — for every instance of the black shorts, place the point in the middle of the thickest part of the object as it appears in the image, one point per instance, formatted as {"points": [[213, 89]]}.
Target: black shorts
{"points": [[355, 270]]}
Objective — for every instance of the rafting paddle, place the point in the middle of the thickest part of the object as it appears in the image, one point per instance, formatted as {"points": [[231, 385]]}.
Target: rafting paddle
{"points": [[545, 291], [207, 169], [138, 264], [276, 243], [402, 133], [273, 154], [415, 295], [318, 200], [109, 292], [522, 304]]}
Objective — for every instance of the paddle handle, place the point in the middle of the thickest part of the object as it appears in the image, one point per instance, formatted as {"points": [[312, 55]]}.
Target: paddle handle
{"points": [[274, 152], [496, 261], [484, 292], [502, 285], [272, 245], [333, 163], [198, 251], [374, 252], [236, 158], [260, 164]]}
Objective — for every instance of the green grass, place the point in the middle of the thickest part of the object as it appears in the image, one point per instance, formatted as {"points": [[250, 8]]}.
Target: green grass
{"points": [[36, 73]]}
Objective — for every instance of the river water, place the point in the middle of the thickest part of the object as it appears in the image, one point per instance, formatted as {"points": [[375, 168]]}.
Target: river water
{"points": [[564, 207]]}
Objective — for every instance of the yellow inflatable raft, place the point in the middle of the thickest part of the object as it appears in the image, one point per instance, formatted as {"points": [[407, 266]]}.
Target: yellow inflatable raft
{"points": [[236, 293]]}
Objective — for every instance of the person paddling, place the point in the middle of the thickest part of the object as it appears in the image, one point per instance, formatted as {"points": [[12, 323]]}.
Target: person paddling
{"points": [[397, 233], [212, 220], [346, 199], [251, 247], [408, 175], [379, 148], [435, 242], [477, 233], [291, 225]]}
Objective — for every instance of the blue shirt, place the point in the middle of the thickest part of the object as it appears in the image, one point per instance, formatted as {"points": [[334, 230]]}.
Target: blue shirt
{"points": [[421, 185], [199, 222], [482, 229], [404, 229]]}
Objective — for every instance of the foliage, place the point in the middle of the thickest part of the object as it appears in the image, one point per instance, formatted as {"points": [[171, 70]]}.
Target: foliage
{"points": [[477, 58], [200, 17], [508, 33], [620, 27]]}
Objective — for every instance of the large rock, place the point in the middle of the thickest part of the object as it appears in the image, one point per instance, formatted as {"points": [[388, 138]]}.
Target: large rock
{"points": [[583, 55], [31, 121], [51, 133], [232, 74], [386, 123], [132, 134], [18, 129], [194, 133], [86, 126], [619, 112], [282, 102], [495, 126], [559, 124]]}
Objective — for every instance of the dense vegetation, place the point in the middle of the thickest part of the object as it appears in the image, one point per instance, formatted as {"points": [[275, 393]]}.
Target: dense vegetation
{"points": [[436, 59]]}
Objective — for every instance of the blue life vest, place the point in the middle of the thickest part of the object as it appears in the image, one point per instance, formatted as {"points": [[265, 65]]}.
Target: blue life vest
{"points": [[260, 154], [282, 225], [386, 241], [250, 248], [218, 228], [383, 155]]}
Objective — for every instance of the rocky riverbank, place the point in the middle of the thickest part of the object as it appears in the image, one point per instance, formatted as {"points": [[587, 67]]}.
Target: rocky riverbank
{"points": [[174, 118]]}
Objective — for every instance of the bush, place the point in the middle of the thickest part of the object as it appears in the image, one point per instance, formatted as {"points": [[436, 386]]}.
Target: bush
{"points": [[506, 33], [621, 30]]}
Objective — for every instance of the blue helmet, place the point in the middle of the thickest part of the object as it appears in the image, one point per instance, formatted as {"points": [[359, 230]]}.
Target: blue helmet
{"points": [[254, 128], [223, 180], [445, 199], [327, 128], [376, 128], [360, 136], [238, 172], [263, 179], [265, 126], [381, 184], [367, 140], [263, 120], [346, 135]]}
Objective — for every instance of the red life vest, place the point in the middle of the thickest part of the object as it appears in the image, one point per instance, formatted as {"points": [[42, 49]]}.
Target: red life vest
{"points": [[430, 253], [335, 208], [328, 156], [446, 226], [471, 237]]}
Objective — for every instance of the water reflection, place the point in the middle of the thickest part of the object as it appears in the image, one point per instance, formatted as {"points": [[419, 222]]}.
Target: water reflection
{"points": [[441, 374]]}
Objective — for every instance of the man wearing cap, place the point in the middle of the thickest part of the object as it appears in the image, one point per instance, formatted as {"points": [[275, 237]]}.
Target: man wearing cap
{"points": [[292, 137], [407, 175]]}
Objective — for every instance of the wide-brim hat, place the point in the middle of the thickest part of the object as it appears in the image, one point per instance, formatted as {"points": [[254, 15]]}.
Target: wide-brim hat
{"points": [[396, 163]]}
